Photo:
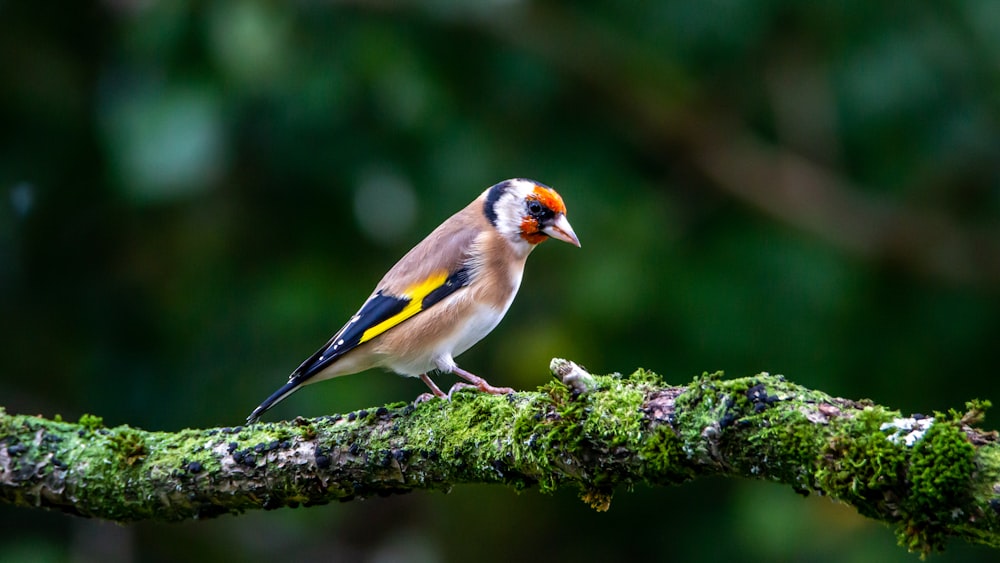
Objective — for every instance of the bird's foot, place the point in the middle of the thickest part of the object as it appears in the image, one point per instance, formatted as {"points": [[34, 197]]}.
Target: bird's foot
{"points": [[477, 383], [485, 388]]}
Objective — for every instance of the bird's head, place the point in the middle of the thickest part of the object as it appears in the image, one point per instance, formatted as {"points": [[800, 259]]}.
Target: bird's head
{"points": [[527, 213]]}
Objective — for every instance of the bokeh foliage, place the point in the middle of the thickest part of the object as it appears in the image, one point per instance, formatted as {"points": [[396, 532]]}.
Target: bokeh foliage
{"points": [[196, 194]]}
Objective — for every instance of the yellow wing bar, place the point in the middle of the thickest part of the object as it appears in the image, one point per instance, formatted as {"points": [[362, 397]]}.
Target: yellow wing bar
{"points": [[415, 294]]}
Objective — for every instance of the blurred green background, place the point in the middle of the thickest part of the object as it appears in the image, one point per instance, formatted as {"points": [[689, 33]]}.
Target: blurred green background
{"points": [[195, 195]]}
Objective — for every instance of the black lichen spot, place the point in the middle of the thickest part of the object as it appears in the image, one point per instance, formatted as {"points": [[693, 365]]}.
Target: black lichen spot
{"points": [[727, 419], [226, 430], [259, 448], [728, 416], [194, 467], [759, 398], [354, 449], [16, 449], [272, 445], [212, 432], [351, 417], [232, 447], [918, 416], [408, 409], [334, 417], [245, 457], [381, 412], [59, 463], [322, 460], [401, 455], [237, 430], [285, 444], [362, 414]]}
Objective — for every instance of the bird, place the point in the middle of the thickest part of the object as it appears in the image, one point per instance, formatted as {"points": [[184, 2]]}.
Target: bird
{"points": [[443, 296]]}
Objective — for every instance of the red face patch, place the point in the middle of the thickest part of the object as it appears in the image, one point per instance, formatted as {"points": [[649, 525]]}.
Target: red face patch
{"points": [[549, 198], [530, 231]]}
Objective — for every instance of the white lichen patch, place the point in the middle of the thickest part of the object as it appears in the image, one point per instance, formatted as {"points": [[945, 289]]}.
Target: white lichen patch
{"points": [[906, 430]]}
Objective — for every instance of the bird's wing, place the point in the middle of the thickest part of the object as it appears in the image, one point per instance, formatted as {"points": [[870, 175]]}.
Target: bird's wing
{"points": [[382, 311]]}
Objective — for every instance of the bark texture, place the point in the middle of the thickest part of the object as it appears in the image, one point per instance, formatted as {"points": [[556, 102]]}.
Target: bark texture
{"points": [[932, 477]]}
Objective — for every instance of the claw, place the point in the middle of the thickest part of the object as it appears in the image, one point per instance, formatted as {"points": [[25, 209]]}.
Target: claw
{"points": [[423, 398], [458, 387]]}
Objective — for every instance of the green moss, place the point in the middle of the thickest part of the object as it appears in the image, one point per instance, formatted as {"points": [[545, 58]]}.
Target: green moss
{"points": [[129, 446], [975, 412], [921, 487], [706, 377], [939, 477], [792, 446], [644, 376], [695, 411], [862, 466], [559, 427], [664, 461], [91, 421]]}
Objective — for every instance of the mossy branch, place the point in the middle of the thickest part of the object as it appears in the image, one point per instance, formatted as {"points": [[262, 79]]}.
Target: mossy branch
{"points": [[932, 477]]}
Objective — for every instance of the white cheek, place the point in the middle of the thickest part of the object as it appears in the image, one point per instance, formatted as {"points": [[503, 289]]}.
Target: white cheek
{"points": [[509, 214]]}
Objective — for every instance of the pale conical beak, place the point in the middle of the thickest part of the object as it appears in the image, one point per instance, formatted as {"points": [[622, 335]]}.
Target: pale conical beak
{"points": [[560, 229]]}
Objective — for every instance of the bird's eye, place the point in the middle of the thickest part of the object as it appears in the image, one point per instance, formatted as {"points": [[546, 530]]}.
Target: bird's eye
{"points": [[535, 208]]}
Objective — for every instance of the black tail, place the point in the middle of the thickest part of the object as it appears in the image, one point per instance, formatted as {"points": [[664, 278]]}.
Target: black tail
{"points": [[285, 390]]}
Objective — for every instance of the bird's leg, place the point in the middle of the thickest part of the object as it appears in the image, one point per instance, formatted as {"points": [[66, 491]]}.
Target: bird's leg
{"points": [[478, 383], [424, 397]]}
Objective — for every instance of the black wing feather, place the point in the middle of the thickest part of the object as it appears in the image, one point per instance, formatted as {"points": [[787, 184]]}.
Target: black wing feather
{"points": [[379, 308]]}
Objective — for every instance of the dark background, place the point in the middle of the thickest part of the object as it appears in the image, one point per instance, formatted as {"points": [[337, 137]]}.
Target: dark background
{"points": [[195, 195]]}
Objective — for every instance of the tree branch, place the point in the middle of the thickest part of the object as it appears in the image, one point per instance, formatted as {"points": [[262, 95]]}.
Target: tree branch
{"points": [[931, 477]]}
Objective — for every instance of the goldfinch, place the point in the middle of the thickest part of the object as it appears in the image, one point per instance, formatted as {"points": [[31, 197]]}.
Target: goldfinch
{"points": [[444, 295]]}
